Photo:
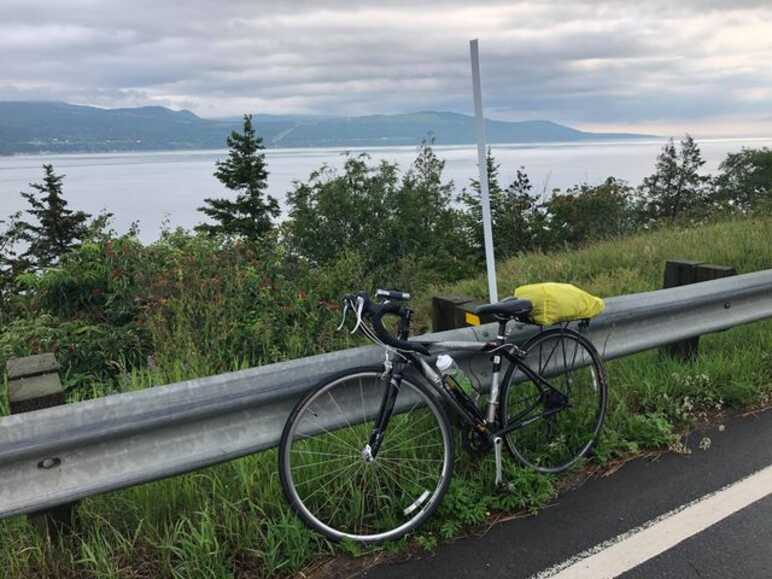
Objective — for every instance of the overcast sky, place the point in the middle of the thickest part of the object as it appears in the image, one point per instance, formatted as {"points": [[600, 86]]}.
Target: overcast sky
{"points": [[662, 67]]}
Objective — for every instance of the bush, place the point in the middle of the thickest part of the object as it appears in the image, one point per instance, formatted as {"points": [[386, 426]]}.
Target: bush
{"points": [[584, 213], [745, 182]]}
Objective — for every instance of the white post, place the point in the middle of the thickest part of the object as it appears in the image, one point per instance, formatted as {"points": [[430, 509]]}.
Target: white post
{"points": [[490, 260]]}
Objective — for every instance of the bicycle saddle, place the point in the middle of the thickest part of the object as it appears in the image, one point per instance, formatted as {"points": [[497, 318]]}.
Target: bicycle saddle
{"points": [[509, 308]]}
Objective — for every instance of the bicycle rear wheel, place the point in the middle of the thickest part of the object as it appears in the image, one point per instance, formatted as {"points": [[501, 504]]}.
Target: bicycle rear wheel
{"points": [[334, 486], [558, 426]]}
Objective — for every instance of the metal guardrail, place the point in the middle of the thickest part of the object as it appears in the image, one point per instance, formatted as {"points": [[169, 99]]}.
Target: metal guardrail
{"points": [[61, 454]]}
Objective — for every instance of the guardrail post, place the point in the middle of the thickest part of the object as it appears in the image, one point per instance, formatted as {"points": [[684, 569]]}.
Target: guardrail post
{"points": [[33, 384], [452, 312], [444, 312], [685, 272]]}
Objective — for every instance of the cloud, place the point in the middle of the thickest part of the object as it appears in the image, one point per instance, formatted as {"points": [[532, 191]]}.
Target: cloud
{"points": [[576, 61]]}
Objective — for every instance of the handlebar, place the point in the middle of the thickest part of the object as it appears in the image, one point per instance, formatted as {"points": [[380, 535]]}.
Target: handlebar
{"points": [[392, 294], [364, 306]]}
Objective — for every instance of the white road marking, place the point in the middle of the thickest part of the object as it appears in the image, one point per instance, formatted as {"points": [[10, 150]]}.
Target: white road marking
{"points": [[630, 549]]}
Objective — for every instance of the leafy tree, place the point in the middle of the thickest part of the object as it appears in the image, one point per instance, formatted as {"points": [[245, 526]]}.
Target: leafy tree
{"points": [[56, 229], [746, 179], [676, 188], [585, 212], [400, 226], [350, 210], [250, 216]]}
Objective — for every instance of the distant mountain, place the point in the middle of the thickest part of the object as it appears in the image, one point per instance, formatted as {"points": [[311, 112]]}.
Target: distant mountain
{"points": [[408, 129], [31, 127], [60, 127]]}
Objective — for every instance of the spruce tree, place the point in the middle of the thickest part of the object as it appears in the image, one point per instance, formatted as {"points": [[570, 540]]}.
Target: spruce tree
{"points": [[471, 200], [56, 229], [676, 188], [10, 263], [514, 212], [250, 215]]}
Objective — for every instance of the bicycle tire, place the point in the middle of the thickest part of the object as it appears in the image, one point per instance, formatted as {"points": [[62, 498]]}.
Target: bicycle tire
{"points": [[554, 444], [415, 403]]}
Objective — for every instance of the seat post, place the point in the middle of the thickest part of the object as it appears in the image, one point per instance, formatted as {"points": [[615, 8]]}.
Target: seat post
{"points": [[501, 335], [493, 401]]}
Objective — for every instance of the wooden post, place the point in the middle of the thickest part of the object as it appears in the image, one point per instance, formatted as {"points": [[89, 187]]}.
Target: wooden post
{"points": [[444, 312], [708, 271], [466, 316], [451, 312], [33, 384], [684, 272]]}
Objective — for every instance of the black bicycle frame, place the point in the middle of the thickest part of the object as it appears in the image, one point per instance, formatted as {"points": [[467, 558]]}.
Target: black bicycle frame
{"points": [[474, 419], [394, 381]]}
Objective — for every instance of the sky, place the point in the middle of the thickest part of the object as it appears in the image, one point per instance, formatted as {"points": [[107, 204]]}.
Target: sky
{"points": [[649, 66]]}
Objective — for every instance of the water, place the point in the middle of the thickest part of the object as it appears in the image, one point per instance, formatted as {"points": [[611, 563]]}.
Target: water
{"points": [[152, 187]]}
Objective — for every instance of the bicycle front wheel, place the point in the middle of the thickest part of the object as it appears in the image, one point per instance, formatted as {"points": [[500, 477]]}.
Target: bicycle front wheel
{"points": [[557, 425], [332, 482]]}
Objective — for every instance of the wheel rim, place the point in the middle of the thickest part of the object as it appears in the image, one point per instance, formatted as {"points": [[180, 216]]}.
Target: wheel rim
{"points": [[340, 490], [554, 443]]}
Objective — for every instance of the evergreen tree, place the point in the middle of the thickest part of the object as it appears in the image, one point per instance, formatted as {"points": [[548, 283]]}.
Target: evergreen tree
{"points": [[471, 200], [57, 229], [514, 212], [676, 188], [516, 217], [10, 263], [250, 215], [426, 224]]}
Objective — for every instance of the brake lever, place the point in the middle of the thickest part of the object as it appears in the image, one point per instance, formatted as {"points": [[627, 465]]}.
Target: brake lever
{"points": [[343, 319], [360, 307]]}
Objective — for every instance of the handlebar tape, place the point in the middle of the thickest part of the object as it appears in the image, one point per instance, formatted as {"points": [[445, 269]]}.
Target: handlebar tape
{"points": [[392, 294], [377, 311]]}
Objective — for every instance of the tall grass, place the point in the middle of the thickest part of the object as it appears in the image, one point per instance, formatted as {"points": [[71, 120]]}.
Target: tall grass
{"points": [[232, 521]]}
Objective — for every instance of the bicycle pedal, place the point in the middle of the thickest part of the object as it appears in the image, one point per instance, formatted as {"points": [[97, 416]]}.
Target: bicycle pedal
{"points": [[505, 487]]}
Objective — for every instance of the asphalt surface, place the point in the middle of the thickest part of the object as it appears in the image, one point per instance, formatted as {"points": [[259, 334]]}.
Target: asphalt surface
{"points": [[601, 509], [738, 546]]}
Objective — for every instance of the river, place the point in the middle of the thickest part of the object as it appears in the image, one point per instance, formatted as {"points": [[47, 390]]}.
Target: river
{"points": [[153, 187]]}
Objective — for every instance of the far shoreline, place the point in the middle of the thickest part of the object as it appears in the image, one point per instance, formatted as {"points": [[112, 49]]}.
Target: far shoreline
{"points": [[399, 147]]}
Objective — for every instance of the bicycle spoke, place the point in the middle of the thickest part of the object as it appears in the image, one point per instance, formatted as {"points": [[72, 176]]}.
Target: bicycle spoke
{"points": [[313, 464], [406, 443], [336, 488], [319, 424], [343, 414], [552, 432], [317, 453], [325, 475], [320, 488]]}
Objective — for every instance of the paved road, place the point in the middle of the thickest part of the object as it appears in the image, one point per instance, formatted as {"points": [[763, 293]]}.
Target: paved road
{"points": [[740, 545]]}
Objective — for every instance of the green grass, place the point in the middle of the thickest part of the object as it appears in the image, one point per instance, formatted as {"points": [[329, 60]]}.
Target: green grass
{"points": [[231, 520], [629, 265]]}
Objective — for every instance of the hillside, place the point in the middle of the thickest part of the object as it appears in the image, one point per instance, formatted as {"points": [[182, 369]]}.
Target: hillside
{"points": [[232, 519], [33, 127]]}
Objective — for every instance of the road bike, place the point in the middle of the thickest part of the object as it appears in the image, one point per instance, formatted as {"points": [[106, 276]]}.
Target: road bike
{"points": [[367, 455]]}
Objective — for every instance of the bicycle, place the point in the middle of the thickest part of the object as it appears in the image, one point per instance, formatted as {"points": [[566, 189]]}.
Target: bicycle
{"points": [[367, 454]]}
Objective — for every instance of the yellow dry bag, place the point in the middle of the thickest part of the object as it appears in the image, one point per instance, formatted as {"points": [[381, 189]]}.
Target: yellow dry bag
{"points": [[559, 302]]}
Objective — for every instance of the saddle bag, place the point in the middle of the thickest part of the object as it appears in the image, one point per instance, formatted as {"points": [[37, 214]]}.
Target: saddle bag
{"points": [[559, 302]]}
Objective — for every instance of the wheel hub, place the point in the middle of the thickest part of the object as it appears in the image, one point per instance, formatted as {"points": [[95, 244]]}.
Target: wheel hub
{"points": [[367, 454]]}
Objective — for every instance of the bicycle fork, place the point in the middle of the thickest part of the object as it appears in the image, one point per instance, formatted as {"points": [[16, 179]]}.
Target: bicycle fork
{"points": [[393, 371]]}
